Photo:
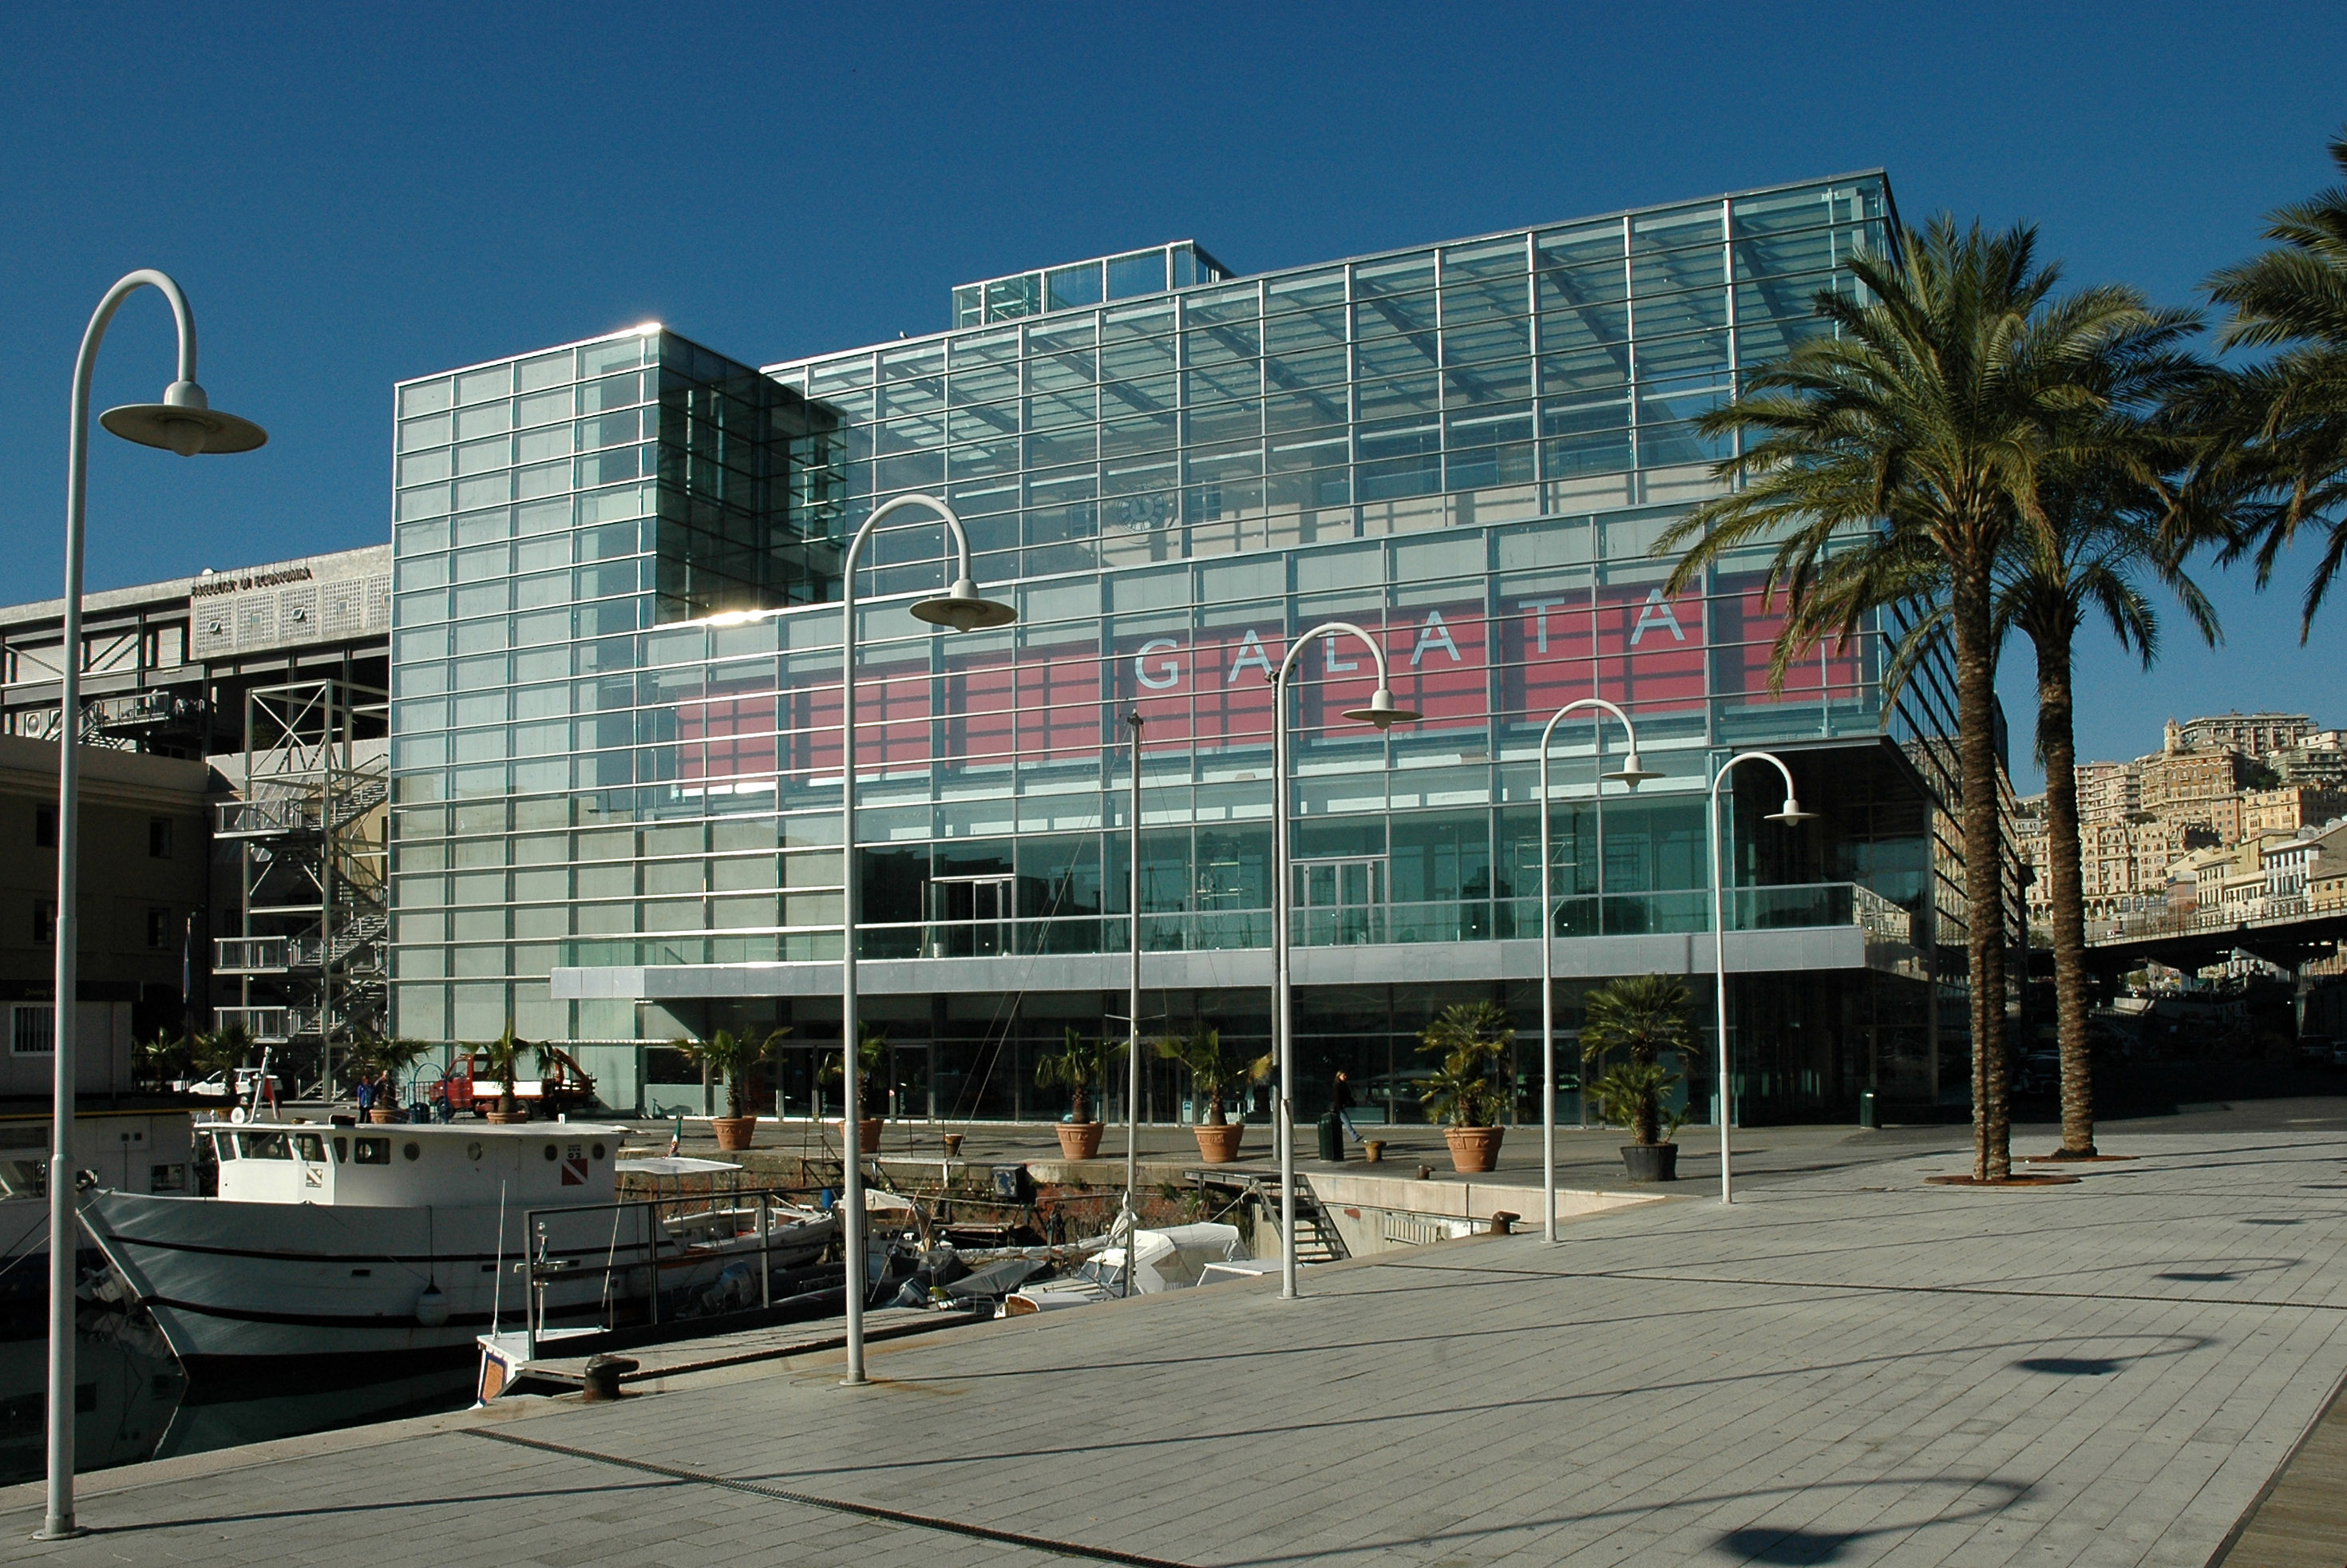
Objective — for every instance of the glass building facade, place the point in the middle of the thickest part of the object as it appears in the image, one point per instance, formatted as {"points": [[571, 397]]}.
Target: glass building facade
{"points": [[617, 759]]}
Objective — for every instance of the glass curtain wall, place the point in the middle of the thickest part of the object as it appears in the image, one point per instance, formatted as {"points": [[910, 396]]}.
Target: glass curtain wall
{"points": [[617, 692]]}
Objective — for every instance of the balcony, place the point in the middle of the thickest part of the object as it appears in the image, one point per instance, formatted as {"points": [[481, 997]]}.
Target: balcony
{"points": [[251, 955], [1447, 922]]}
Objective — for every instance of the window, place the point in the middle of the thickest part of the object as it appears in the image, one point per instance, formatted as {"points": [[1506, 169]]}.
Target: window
{"points": [[167, 1178], [159, 837], [373, 1151], [45, 827], [158, 928], [311, 1147], [44, 920], [32, 1031]]}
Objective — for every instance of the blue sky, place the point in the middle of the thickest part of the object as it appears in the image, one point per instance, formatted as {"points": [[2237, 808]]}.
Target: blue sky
{"points": [[356, 194]]}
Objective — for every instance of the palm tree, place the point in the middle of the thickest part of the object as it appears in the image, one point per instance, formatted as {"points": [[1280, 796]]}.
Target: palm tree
{"points": [[2103, 531], [502, 1056], [1912, 441], [1469, 1043], [1078, 1065], [1640, 1016], [731, 1056], [2284, 423], [1217, 1071], [2112, 511]]}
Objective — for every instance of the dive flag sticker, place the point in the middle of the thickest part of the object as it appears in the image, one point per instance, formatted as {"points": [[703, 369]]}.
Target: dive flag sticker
{"points": [[574, 1167]]}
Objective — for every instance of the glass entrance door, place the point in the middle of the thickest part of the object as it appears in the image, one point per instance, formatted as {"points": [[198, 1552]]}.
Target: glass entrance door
{"points": [[970, 917], [1340, 902]]}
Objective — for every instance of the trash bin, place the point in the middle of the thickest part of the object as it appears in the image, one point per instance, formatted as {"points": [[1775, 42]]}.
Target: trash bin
{"points": [[1866, 1108], [1332, 1138]]}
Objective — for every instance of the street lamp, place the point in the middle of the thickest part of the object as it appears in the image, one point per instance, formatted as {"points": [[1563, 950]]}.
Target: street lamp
{"points": [[1632, 772], [1791, 815], [185, 422], [962, 609], [1384, 713], [1132, 1010]]}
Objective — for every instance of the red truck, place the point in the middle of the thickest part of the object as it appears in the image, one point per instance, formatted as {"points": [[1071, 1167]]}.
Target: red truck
{"points": [[561, 1085]]}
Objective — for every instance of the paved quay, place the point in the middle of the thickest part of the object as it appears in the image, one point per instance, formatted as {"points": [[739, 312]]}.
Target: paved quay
{"points": [[1849, 1366]]}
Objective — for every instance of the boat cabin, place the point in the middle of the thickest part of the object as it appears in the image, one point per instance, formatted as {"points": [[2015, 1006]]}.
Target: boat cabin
{"points": [[407, 1165]]}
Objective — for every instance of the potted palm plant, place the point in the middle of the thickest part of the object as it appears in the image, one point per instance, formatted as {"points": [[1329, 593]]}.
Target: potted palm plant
{"points": [[733, 1056], [871, 1084], [1637, 1018], [1077, 1066], [1470, 1045], [1218, 1071], [502, 1056], [392, 1060]]}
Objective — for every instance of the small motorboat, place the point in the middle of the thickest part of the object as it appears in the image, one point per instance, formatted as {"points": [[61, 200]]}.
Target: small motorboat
{"points": [[1175, 1259]]}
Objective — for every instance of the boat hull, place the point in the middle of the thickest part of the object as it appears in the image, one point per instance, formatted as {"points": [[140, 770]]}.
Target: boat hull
{"points": [[230, 1282]]}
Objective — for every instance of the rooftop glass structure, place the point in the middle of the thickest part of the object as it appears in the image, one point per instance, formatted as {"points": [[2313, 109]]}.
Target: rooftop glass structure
{"points": [[617, 768], [1103, 278]]}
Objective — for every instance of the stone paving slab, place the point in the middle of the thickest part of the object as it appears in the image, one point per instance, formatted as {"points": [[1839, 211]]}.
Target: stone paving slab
{"points": [[1850, 1367]]}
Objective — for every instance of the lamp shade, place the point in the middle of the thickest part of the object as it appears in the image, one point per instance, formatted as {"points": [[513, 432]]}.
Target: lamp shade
{"points": [[1383, 711], [963, 608], [1631, 772], [184, 421], [1792, 815]]}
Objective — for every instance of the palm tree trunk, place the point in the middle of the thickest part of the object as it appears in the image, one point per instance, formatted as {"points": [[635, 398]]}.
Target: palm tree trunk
{"points": [[1983, 871], [2057, 738]]}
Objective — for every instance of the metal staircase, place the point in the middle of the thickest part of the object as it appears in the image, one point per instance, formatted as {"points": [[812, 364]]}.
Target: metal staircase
{"points": [[312, 960], [1316, 1239]]}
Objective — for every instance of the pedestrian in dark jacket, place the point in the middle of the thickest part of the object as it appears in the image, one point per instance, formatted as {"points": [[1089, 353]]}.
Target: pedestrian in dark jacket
{"points": [[1340, 1101]]}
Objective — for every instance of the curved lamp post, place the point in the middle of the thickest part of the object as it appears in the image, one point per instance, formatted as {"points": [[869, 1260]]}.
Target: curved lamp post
{"points": [[962, 609], [1384, 713], [1790, 813], [1632, 772], [185, 422]]}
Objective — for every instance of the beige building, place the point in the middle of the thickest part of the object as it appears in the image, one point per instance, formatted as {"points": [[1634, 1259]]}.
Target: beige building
{"points": [[145, 869], [2202, 787], [2108, 791], [2315, 763], [2252, 734], [2290, 808]]}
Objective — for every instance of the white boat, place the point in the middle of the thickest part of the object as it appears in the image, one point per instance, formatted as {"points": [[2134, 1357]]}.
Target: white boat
{"points": [[1179, 1257], [410, 1240], [144, 1149]]}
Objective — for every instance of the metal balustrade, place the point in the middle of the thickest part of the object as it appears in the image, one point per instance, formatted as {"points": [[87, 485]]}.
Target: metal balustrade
{"points": [[1804, 906]]}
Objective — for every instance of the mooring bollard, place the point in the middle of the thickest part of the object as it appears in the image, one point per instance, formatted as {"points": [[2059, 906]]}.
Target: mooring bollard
{"points": [[603, 1373], [1503, 1222]]}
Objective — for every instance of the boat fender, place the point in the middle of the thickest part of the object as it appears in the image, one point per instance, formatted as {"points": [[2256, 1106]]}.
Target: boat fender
{"points": [[431, 1307]]}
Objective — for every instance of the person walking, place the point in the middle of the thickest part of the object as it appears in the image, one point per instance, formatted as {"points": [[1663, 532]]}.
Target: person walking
{"points": [[365, 1097], [1340, 1101]]}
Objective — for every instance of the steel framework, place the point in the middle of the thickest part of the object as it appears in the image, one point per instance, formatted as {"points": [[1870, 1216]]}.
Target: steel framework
{"points": [[311, 833]]}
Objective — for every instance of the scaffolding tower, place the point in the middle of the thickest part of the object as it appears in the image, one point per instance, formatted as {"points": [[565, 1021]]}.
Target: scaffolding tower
{"points": [[310, 828]]}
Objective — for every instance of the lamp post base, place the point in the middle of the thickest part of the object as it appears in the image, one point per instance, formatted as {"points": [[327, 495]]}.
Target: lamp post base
{"points": [[60, 1529]]}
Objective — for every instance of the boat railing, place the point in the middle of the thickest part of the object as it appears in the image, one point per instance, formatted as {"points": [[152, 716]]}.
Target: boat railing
{"points": [[629, 1243]]}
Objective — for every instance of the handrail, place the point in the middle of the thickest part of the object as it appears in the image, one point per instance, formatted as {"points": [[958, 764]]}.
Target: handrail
{"points": [[1671, 911], [651, 1245]]}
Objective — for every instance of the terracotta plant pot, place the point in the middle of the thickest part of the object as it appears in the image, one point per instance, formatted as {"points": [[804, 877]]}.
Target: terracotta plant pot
{"points": [[1474, 1149], [734, 1131], [1651, 1161], [1219, 1145], [383, 1115], [870, 1129], [1080, 1140], [499, 1119]]}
